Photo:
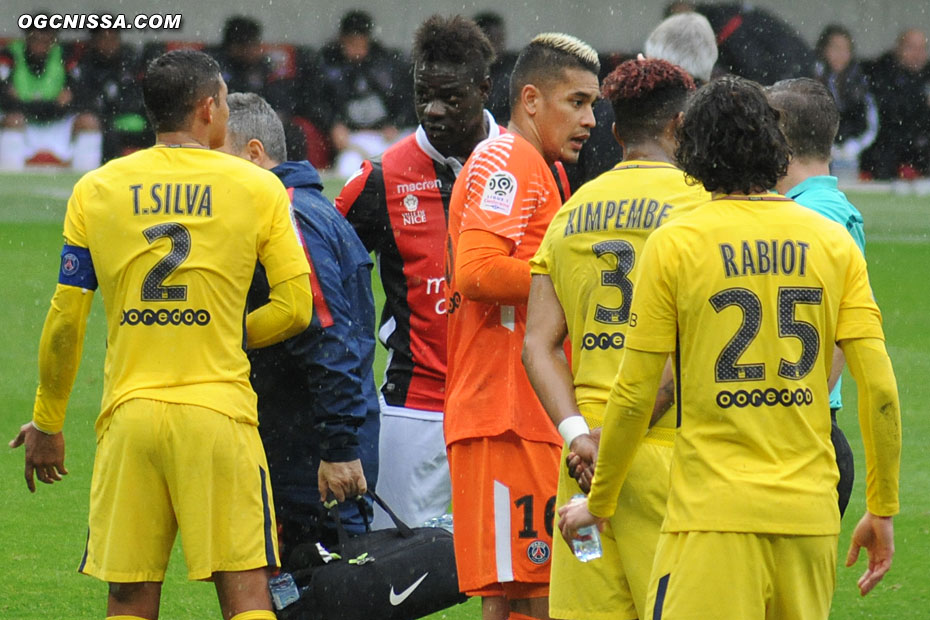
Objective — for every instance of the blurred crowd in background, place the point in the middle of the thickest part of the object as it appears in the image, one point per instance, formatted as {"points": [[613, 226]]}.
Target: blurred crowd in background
{"points": [[77, 102]]}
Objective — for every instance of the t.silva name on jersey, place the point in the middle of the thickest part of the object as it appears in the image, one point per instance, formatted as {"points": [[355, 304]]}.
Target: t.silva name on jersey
{"points": [[172, 199]]}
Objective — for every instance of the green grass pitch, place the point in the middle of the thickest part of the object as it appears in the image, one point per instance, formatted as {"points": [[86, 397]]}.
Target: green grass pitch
{"points": [[42, 535]]}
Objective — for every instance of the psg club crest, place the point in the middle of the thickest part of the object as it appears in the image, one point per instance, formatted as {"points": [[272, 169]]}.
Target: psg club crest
{"points": [[538, 552], [70, 264]]}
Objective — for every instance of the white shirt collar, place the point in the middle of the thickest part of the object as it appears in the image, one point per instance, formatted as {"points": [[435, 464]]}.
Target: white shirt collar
{"points": [[494, 131]]}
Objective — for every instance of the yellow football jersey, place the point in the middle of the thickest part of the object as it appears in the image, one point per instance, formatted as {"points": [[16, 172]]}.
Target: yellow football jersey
{"points": [[752, 292], [174, 234], [591, 251]]}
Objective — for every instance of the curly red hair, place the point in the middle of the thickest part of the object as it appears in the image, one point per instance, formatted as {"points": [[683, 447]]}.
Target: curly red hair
{"points": [[646, 95], [635, 79]]}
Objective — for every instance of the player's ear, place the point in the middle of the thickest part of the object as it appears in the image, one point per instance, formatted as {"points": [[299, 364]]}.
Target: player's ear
{"points": [[529, 98], [613, 130], [256, 151], [484, 87], [206, 107]]}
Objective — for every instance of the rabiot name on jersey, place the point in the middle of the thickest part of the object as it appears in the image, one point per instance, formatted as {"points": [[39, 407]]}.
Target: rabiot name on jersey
{"points": [[765, 257]]}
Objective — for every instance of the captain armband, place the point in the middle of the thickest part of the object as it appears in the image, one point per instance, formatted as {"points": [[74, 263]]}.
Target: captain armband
{"points": [[77, 268]]}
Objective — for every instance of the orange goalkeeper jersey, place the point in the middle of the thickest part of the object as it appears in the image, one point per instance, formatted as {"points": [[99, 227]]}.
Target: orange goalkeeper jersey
{"points": [[506, 189]]}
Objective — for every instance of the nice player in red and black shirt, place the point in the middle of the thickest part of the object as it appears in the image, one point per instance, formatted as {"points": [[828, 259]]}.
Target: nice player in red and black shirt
{"points": [[398, 203]]}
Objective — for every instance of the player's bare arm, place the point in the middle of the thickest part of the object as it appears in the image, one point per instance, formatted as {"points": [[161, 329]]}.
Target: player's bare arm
{"points": [[549, 372]]}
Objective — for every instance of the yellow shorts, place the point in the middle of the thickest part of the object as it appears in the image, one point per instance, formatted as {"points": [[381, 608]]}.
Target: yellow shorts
{"points": [[700, 575], [161, 467], [614, 587]]}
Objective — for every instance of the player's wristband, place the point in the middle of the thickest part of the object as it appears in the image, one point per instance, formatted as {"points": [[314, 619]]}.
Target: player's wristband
{"points": [[571, 427]]}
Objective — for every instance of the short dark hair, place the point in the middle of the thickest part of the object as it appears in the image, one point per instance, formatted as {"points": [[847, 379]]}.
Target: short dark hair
{"points": [[546, 57], [488, 19], [456, 40], [173, 84], [730, 140], [356, 21], [808, 116], [645, 96], [241, 30]]}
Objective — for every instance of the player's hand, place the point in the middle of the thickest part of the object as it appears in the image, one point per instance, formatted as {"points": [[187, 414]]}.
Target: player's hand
{"points": [[876, 534], [574, 516], [45, 455], [343, 480], [581, 458]]}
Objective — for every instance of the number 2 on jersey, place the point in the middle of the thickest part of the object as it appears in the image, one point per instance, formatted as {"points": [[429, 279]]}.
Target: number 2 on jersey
{"points": [[153, 288]]}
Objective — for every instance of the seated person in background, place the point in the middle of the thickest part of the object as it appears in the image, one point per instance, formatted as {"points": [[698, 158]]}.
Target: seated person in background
{"points": [[365, 91], [248, 69], [842, 74], [317, 406], [108, 88], [36, 92], [900, 80]]}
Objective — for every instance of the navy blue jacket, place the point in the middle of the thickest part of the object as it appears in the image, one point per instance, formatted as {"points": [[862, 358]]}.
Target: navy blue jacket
{"points": [[316, 389]]}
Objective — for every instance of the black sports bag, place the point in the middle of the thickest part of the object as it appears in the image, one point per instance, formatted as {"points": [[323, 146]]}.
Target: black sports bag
{"points": [[402, 573]]}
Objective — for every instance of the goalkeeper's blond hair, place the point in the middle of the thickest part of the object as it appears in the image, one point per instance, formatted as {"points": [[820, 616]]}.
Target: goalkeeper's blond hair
{"points": [[547, 56]]}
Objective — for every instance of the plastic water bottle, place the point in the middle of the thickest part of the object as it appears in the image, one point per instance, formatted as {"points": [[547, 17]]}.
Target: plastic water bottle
{"points": [[443, 521], [587, 542], [283, 590]]}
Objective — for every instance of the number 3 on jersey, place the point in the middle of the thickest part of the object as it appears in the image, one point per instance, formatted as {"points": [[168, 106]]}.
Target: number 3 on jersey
{"points": [[618, 277]]}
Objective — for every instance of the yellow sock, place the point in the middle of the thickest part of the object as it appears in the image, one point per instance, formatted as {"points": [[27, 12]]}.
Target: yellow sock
{"points": [[255, 614], [125, 618]]}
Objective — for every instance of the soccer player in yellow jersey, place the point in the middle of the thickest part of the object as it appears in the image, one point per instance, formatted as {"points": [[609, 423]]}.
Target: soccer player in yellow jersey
{"points": [[171, 235], [750, 291], [583, 281]]}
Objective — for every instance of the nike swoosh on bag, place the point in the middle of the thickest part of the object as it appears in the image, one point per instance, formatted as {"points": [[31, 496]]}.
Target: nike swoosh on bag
{"points": [[397, 599]]}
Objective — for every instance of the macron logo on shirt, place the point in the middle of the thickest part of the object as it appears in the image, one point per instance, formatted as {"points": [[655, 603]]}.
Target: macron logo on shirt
{"points": [[499, 193]]}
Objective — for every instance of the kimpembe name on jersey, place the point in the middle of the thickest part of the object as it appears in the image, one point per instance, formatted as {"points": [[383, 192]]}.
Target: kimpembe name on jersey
{"points": [[764, 257], [172, 199], [617, 214]]}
